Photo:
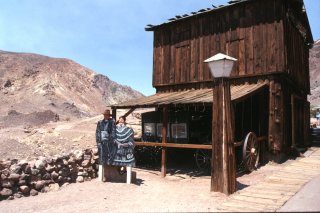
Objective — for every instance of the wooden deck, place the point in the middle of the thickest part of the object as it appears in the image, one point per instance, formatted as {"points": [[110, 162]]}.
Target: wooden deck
{"points": [[273, 192]]}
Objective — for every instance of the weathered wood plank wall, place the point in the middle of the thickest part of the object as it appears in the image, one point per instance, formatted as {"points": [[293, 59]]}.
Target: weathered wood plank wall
{"points": [[260, 34], [267, 37], [297, 53], [253, 33]]}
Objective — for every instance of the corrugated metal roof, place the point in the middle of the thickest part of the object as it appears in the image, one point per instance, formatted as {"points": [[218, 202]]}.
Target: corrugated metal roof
{"points": [[151, 27], [200, 96]]}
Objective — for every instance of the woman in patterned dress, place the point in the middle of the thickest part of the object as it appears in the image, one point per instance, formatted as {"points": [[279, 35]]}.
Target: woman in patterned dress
{"points": [[124, 156]]}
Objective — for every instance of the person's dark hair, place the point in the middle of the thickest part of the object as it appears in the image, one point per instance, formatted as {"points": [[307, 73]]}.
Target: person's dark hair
{"points": [[124, 118]]}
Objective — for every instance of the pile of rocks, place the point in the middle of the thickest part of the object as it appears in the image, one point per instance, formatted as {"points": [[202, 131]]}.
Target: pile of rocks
{"points": [[22, 178]]}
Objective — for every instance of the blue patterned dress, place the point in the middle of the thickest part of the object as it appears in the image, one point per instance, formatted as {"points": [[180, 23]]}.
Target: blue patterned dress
{"points": [[105, 135], [125, 147]]}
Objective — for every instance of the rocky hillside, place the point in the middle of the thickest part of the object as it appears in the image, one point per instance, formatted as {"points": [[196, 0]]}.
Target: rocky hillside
{"points": [[314, 64], [31, 83]]}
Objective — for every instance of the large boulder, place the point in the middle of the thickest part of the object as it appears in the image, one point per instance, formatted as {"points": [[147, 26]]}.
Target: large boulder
{"points": [[24, 189], [35, 178], [5, 192], [15, 168], [5, 165], [5, 172], [54, 175], [7, 183], [33, 192], [25, 177], [80, 179], [18, 195], [86, 163], [46, 176], [35, 171], [60, 179], [39, 185], [27, 169], [72, 160], [95, 151], [83, 174], [3, 177], [54, 187], [40, 164], [50, 168], [65, 162], [78, 155], [14, 177], [86, 157]]}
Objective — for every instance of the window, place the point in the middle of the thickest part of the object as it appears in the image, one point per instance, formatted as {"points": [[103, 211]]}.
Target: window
{"points": [[149, 129], [179, 130], [159, 130]]}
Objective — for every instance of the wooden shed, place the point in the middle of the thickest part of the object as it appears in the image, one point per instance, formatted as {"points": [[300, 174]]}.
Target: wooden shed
{"points": [[270, 82]]}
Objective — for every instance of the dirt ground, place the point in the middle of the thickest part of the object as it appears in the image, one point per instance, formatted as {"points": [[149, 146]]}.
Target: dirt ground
{"points": [[23, 141], [183, 190], [180, 191]]}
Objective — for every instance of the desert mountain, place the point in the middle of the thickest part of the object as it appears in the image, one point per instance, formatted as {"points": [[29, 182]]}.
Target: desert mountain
{"points": [[314, 64], [31, 83]]}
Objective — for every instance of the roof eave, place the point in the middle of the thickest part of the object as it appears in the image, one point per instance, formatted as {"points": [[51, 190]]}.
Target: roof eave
{"points": [[155, 27]]}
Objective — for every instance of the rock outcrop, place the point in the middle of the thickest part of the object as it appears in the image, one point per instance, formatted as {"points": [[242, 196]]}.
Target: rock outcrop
{"points": [[314, 65], [35, 83]]}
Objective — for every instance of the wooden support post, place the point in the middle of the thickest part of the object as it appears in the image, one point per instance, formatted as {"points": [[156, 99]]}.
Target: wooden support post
{"points": [[164, 141], [129, 112], [223, 169], [276, 120], [114, 114], [125, 115]]}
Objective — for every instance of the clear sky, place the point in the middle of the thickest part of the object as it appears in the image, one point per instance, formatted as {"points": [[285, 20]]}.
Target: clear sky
{"points": [[106, 36]]}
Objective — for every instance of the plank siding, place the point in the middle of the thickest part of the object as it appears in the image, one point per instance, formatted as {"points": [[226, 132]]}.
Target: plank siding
{"points": [[251, 32], [267, 39], [249, 17], [297, 56]]}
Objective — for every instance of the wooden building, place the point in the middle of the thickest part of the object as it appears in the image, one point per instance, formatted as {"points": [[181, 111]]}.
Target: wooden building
{"points": [[270, 82]]}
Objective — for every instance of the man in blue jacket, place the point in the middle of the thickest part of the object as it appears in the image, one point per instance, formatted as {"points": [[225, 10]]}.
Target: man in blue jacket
{"points": [[105, 136]]}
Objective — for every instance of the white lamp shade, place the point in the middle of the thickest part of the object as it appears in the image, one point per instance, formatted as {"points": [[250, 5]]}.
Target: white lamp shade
{"points": [[220, 65]]}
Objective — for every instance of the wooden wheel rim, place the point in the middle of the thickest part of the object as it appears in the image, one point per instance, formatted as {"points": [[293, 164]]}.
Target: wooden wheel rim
{"points": [[251, 152], [203, 159]]}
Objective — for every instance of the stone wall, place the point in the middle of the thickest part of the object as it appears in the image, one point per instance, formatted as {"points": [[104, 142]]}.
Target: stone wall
{"points": [[22, 178]]}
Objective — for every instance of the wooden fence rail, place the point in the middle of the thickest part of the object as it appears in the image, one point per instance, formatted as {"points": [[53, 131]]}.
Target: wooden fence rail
{"points": [[189, 146]]}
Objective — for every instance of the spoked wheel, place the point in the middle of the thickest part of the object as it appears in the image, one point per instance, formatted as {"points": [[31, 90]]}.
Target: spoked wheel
{"points": [[203, 159], [251, 152]]}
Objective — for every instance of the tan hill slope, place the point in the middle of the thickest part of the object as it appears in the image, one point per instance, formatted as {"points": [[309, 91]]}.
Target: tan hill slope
{"points": [[31, 83], [314, 64]]}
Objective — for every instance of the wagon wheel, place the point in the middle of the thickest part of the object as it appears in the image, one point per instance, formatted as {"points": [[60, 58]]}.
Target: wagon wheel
{"points": [[203, 159], [250, 152]]}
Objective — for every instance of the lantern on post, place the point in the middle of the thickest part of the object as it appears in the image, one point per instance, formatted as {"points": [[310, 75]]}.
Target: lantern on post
{"points": [[223, 169], [220, 65]]}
